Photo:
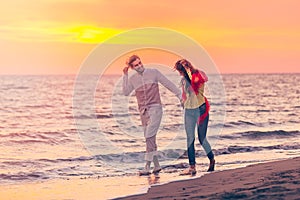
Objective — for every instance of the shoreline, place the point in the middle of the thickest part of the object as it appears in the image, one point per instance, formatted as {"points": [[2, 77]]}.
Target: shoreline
{"points": [[271, 180], [274, 179]]}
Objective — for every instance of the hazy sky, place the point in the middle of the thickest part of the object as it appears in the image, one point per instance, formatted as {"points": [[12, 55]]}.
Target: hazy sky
{"points": [[55, 36]]}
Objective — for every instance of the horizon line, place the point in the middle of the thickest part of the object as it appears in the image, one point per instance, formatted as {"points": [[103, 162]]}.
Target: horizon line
{"points": [[118, 74]]}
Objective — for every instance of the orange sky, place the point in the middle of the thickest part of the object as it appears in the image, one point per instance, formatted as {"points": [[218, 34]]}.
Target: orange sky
{"points": [[55, 36]]}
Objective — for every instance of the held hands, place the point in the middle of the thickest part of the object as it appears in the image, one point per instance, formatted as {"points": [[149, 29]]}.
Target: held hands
{"points": [[182, 103]]}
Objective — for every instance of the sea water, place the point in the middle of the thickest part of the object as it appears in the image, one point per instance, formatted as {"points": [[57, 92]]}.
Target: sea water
{"points": [[47, 134]]}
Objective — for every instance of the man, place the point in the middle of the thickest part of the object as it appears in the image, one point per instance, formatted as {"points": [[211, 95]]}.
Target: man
{"points": [[145, 83]]}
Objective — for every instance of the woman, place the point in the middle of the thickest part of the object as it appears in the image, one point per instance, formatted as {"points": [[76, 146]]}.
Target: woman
{"points": [[196, 109]]}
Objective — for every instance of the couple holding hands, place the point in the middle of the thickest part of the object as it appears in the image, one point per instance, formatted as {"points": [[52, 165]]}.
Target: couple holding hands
{"points": [[196, 107]]}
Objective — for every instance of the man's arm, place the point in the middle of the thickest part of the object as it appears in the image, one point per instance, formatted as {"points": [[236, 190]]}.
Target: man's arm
{"points": [[168, 84], [127, 87]]}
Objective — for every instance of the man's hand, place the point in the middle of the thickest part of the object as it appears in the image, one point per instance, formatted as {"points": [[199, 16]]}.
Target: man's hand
{"points": [[125, 70]]}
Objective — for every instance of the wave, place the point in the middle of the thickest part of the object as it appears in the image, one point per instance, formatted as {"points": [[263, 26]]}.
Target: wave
{"points": [[101, 165], [234, 124], [43, 135], [99, 116], [13, 87], [38, 106], [235, 149], [103, 116], [172, 154], [46, 137], [243, 149], [241, 123], [83, 116], [138, 157], [260, 135], [21, 176]]}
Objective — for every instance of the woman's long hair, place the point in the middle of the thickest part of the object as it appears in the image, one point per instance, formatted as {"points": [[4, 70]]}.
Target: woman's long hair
{"points": [[180, 67], [185, 63]]}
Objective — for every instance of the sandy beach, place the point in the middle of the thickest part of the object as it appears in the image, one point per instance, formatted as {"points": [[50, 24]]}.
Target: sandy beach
{"points": [[273, 180]]}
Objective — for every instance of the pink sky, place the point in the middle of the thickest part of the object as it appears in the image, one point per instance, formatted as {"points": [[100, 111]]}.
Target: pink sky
{"points": [[55, 36]]}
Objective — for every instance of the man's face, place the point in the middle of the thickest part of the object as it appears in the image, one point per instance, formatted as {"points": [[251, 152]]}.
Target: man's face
{"points": [[137, 65]]}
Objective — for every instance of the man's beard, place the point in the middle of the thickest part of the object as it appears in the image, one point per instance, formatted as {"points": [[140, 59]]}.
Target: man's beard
{"points": [[140, 69]]}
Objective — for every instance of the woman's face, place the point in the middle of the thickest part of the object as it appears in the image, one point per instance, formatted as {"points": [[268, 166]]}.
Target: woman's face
{"points": [[185, 65], [181, 73], [180, 68]]}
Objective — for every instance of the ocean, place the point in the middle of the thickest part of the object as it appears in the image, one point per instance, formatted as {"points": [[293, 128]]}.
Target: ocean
{"points": [[60, 127]]}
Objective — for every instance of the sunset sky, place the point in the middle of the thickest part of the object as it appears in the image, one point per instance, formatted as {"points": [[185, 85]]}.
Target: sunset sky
{"points": [[55, 36]]}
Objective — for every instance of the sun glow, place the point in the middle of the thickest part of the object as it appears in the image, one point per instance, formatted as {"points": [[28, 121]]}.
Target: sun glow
{"points": [[49, 32], [92, 34], [245, 37]]}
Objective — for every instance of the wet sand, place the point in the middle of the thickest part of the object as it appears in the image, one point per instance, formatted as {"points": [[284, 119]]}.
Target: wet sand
{"points": [[273, 180]]}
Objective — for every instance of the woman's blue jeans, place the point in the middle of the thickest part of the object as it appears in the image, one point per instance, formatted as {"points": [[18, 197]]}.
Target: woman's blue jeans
{"points": [[190, 121]]}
